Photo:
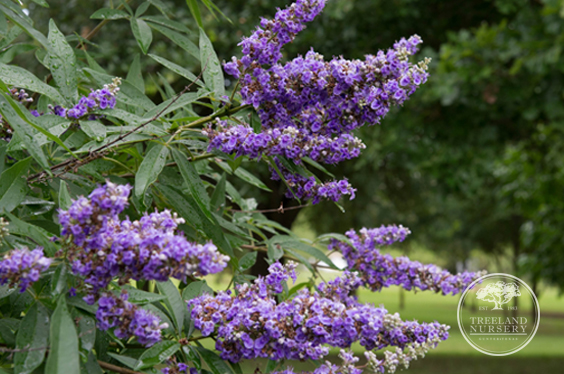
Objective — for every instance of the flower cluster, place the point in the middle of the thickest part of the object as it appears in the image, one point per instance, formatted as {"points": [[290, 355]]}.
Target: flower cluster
{"points": [[347, 367], [307, 188], [103, 247], [104, 98], [251, 324], [128, 320], [309, 107], [379, 270], [178, 369], [22, 96], [23, 267]]}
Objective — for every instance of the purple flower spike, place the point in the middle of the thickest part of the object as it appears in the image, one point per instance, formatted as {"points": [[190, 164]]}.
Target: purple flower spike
{"points": [[128, 320], [379, 270], [251, 324], [23, 267]]}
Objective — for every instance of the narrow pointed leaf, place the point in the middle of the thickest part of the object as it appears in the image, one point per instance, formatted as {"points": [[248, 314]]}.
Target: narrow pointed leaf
{"points": [[63, 351], [142, 33], [150, 168], [62, 63], [213, 73], [174, 303], [13, 188], [195, 184], [34, 336]]}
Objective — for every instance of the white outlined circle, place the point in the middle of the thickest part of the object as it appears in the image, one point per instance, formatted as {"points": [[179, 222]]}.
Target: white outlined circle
{"points": [[463, 331]]}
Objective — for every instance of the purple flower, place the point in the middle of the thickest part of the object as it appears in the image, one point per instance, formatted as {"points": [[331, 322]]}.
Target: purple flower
{"points": [[379, 270], [104, 98], [105, 247], [250, 323], [308, 106], [23, 267], [128, 320]]}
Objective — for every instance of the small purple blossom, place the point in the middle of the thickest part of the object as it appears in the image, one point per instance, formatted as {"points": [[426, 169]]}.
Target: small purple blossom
{"points": [[104, 98], [105, 247], [378, 270], [128, 320], [309, 107], [23, 267], [250, 323]]}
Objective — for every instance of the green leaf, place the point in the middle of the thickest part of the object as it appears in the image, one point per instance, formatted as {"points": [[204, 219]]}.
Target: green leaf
{"points": [[215, 363], [156, 354], [271, 365], [3, 25], [29, 119], [195, 10], [218, 196], [24, 25], [13, 187], [111, 14], [196, 289], [274, 251], [59, 280], [178, 39], [213, 74], [33, 335], [36, 233], [174, 303], [94, 129], [329, 236], [250, 178], [177, 69], [248, 260], [150, 168], [62, 63], [187, 208], [294, 244], [20, 77], [318, 166], [86, 331], [63, 352], [65, 200], [141, 297], [24, 130], [42, 3], [127, 361], [195, 184], [163, 21], [142, 33], [142, 9], [91, 366], [184, 100], [134, 75]]}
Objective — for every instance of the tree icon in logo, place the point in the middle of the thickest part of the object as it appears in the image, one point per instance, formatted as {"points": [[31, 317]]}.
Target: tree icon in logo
{"points": [[499, 293]]}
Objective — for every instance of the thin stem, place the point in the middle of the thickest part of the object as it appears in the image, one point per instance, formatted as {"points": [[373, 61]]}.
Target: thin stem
{"points": [[116, 369], [97, 153]]}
